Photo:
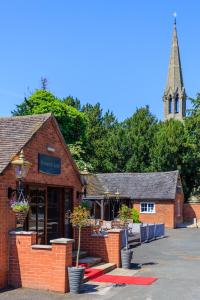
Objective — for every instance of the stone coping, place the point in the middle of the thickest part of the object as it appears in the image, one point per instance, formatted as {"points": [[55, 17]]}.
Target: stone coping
{"points": [[45, 247], [61, 241], [115, 230], [16, 232], [99, 235]]}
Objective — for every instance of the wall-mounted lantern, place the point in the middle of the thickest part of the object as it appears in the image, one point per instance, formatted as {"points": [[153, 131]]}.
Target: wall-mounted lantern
{"points": [[21, 167], [84, 175]]}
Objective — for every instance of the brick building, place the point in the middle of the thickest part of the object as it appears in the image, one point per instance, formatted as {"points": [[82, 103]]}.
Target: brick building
{"points": [[53, 182], [157, 196]]}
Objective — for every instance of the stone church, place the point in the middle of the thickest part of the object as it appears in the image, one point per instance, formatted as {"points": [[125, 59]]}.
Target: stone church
{"points": [[174, 97]]}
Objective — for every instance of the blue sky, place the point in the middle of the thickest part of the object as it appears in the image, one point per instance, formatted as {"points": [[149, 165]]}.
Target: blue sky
{"points": [[109, 51]]}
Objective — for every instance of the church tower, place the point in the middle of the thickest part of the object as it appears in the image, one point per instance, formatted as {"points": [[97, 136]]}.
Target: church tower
{"points": [[174, 95]]}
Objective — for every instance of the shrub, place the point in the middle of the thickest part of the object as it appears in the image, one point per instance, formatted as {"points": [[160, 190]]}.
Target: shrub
{"points": [[135, 216]]}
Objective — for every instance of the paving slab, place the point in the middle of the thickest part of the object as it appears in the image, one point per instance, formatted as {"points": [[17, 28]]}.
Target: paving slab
{"points": [[123, 272]]}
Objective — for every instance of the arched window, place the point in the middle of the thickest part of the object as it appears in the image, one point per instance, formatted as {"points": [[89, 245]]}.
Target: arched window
{"points": [[170, 104], [177, 104]]}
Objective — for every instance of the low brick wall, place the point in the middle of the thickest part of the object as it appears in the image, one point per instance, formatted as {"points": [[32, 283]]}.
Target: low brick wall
{"points": [[108, 247], [39, 266], [191, 211]]}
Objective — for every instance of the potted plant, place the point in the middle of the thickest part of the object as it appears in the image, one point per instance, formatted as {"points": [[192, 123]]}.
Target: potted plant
{"points": [[20, 208], [79, 218], [125, 213]]}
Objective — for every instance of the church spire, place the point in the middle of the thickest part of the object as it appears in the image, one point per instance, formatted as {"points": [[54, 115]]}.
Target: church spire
{"points": [[174, 94]]}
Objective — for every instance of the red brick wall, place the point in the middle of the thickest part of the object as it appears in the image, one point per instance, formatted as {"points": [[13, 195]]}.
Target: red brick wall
{"points": [[164, 213], [38, 268], [47, 135], [191, 211], [7, 222], [107, 247]]}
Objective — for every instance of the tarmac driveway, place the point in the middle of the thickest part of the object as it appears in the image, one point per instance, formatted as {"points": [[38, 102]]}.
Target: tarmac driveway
{"points": [[174, 260]]}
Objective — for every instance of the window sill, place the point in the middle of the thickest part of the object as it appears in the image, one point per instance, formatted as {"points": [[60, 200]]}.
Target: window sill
{"points": [[151, 213]]}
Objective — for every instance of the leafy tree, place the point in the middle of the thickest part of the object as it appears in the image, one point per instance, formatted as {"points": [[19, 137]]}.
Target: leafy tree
{"points": [[74, 102], [71, 121], [78, 153], [139, 133], [192, 156], [79, 218], [169, 146]]}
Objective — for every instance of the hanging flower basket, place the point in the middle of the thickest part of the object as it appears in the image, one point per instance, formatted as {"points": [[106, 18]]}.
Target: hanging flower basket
{"points": [[20, 208], [21, 217]]}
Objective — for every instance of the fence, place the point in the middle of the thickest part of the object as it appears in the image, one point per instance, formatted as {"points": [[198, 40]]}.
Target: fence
{"points": [[149, 232]]}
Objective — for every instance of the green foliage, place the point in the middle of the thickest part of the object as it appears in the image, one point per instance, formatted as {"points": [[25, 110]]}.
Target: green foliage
{"points": [[139, 134], [74, 102], [138, 144], [78, 154], [71, 121], [85, 204], [168, 146], [125, 213], [79, 217], [135, 215], [20, 206]]}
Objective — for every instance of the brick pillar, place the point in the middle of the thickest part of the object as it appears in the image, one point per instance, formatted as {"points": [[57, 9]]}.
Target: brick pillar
{"points": [[19, 246], [114, 246], [62, 258]]}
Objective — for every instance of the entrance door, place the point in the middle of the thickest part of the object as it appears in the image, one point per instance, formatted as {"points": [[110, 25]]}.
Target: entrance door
{"points": [[54, 213], [36, 216]]}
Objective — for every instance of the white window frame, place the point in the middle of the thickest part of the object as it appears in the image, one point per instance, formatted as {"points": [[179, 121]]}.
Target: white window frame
{"points": [[148, 211]]}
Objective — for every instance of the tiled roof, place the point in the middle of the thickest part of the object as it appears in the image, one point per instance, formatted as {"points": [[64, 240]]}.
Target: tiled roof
{"points": [[158, 185], [15, 132]]}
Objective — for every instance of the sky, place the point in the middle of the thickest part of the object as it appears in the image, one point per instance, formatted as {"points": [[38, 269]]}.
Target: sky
{"points": [[115, 52]]}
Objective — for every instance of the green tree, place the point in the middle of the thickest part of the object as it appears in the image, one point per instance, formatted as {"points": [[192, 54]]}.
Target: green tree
{"points": [[192, 156], [139, 133], [71, 121], [74, 102], [169, 146]]}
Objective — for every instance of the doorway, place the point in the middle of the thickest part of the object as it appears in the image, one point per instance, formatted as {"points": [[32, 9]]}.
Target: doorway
{"points": [[49, 213]]}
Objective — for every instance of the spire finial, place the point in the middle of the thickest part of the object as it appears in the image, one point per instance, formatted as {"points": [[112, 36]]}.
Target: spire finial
{"points": [[174, 15]]}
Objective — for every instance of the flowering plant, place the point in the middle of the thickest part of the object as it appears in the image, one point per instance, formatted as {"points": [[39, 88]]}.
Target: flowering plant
{"points": [[19, 206]]}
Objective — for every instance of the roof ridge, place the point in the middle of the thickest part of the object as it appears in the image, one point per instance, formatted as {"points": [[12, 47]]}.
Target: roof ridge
{"points": [[142, 173], [27, 116]]}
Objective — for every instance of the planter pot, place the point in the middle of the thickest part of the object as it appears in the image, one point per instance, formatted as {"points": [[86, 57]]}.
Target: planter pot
{"points": [[126, 256], [21, 217], [75, 278]]}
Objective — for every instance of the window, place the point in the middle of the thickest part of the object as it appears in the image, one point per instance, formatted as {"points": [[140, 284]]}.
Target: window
{"points": [[147, 207], [177, 104], [170, 104]]}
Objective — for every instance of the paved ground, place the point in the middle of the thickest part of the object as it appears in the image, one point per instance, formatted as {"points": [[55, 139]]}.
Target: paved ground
{"points": [[175, 260]]}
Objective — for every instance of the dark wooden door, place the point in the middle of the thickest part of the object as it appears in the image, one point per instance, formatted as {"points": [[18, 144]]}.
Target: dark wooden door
{"points": [[37, 213], [54, 213]]}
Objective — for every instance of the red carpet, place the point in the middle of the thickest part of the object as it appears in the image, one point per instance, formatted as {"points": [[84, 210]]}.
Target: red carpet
{"points": [[97, 275], [125, 279], [92, 273]]}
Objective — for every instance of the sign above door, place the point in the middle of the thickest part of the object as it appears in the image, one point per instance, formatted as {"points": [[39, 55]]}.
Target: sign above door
{"points": [[49, 164]]}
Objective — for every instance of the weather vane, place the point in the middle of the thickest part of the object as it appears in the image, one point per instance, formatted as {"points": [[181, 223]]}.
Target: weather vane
{"points": [[175, 15]]}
